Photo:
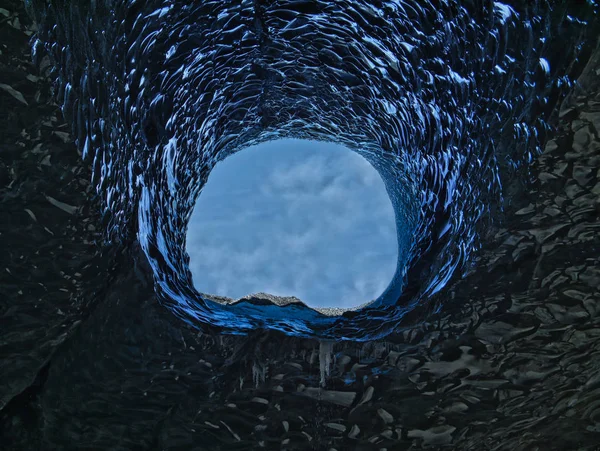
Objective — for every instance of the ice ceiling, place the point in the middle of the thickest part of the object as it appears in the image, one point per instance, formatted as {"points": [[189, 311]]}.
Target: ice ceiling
{"points": [[445, 99]]}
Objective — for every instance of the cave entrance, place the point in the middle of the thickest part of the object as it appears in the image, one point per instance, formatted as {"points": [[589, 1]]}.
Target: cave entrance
{"points": [[292, 217]]}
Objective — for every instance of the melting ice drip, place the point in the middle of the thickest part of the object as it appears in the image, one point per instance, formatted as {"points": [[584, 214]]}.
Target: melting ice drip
{"points": [[443, 98]]}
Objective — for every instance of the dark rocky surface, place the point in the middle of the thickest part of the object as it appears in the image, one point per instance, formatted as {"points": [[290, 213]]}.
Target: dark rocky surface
{"points": [[46, 241], [90, 360]]}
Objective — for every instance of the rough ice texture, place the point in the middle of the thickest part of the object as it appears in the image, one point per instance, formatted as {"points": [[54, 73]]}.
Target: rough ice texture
{"points": [[446, 99]]}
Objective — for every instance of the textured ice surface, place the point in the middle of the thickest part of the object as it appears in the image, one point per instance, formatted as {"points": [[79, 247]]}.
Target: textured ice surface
{"points": [[446, 99]]}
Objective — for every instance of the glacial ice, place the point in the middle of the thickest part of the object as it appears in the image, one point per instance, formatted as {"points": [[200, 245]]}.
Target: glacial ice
{"points": [[446, 99]]}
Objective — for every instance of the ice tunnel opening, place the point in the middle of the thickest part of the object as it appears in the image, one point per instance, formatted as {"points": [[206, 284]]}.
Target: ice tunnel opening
{"points": [[294, 220]]}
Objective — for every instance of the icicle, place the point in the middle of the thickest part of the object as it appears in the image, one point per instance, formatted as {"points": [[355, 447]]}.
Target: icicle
{"points": [[259, 373], [325, 353], [313, 357], [255, 374]]}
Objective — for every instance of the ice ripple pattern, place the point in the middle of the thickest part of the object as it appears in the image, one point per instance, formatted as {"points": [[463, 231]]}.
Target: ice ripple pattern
{"points": [[446, 99]]}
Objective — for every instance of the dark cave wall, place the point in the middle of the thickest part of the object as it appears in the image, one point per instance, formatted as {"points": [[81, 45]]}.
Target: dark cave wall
{"points": [[46, 246]]}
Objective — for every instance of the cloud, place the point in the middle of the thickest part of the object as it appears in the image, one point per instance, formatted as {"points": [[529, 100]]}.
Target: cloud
{"points": [[307, 219]]}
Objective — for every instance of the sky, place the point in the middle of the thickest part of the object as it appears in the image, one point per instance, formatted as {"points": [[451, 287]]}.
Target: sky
{"points": [[294, 218]]}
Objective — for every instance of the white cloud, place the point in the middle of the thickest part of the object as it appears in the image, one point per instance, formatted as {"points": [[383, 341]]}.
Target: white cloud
{"points": [[315, 223]]}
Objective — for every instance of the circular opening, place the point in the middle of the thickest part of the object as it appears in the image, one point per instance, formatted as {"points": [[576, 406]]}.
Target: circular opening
{"points": [[166, 206], [305, 221]]}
